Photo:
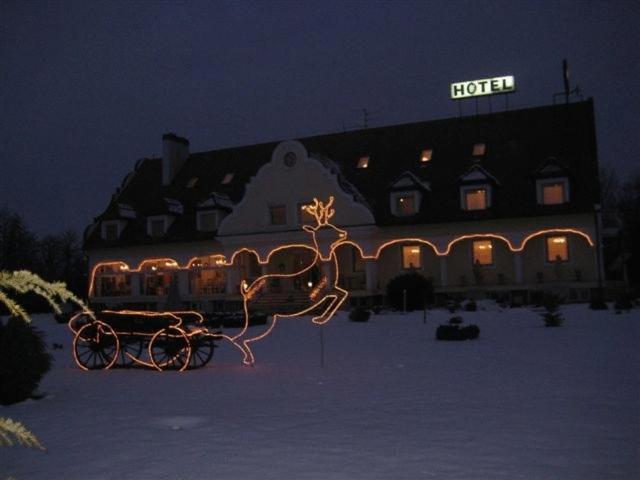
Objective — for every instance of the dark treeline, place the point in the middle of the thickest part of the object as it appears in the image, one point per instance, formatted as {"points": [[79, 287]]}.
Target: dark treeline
{"points": [[56, 257]]}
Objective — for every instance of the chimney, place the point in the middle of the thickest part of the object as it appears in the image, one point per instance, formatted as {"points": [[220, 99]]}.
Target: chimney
{"points": [[175, 151]]}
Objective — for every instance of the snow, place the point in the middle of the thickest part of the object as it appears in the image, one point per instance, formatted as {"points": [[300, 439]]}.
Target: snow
{"points": [[391, 402]]}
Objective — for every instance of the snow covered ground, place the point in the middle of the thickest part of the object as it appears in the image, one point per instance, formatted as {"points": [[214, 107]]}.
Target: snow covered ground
{"points": [[522, 402]]}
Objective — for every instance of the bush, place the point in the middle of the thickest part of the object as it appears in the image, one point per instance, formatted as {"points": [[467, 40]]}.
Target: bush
{"points": [[552, 316], [624, 301], [455, 332], [471, 306], [23, 361], [359, 314], [419, 291]]}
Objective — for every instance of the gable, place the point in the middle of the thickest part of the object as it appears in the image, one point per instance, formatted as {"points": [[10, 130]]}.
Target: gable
{"points": [[290, 179]]}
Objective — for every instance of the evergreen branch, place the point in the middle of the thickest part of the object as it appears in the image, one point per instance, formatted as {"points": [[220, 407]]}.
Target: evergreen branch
{"points": [[14, 308], [11, 429]]}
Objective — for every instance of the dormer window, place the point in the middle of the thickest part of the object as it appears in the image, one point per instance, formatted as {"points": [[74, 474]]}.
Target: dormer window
{"points": [[553, 191], [475, 197], [479, 149], [207, 221], [405, 204], [158, 225], [110, 230], [426, 155], [227, 178], [363, 162]]}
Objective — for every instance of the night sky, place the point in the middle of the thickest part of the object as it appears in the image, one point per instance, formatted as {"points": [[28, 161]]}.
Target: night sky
{"points": [[87, 88]]}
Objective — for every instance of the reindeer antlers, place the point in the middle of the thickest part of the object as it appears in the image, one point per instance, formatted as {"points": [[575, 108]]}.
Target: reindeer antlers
{"points": [[320, 211]]}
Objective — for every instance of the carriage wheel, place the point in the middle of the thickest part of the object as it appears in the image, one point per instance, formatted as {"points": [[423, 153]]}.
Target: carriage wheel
{"points": [[201, 350], [130, 349], [96, 346], [170, 349]]}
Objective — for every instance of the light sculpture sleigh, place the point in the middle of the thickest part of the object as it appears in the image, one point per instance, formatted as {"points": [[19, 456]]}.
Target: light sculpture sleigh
{"points": [[160, 340]]}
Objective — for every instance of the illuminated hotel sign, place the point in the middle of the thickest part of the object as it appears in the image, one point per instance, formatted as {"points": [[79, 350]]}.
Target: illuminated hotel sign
{"points": [[486, 86]]}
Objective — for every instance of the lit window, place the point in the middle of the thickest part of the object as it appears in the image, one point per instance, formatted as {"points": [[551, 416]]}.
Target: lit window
{"points": [[405, 205], [479, 149], [111, 232], [192, 182], [208, 221], [426, 155], [475, 199], [304, 216], [557, 249], [156, 227], [278, 215], [411, 256], [227, 179], [553, 193], [482, 252], [363, 162]]}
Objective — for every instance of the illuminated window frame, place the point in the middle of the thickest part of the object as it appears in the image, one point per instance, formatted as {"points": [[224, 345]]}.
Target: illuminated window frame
{"points": [[540, 184], [426, 155], [470, 188], [403, 259], [479, 149], [395, 198], [486, 242], [228, 178], [547, 252], [363, 162]]}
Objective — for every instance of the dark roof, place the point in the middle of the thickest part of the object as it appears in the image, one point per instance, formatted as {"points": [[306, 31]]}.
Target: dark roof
{"points": [[519, 143]]}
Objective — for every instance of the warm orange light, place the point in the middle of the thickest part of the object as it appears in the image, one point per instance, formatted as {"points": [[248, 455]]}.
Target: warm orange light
{"points": [[332, 293]]}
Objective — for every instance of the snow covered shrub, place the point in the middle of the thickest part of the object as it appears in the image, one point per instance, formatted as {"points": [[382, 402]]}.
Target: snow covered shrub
{"points": [[419, 291], [624, 301], [471, 306], [359, 314], [455, 331], [551, 315], [23, 361]]}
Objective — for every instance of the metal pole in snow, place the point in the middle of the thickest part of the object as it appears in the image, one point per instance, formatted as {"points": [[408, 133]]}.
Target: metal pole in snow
{"points": [[321, 347], [404, 301]]}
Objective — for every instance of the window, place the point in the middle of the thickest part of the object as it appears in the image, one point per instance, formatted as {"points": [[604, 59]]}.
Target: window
{"points": [[482, 252], [278, 215], [475, 199], [304, 217], [411, 256], [557, 249], [405, 205], [357, 261], [426, 155], [227, 179], [363, 162], [553, 191], [479, 149], [156, 227], [207, 221], [111, 232]]}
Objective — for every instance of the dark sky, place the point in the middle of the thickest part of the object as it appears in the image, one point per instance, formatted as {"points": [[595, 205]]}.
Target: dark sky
{"points": [[87, 88]]}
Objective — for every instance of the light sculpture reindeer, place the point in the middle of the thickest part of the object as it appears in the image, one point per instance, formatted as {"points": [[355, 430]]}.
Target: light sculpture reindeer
{"points": [[326, 293]]}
